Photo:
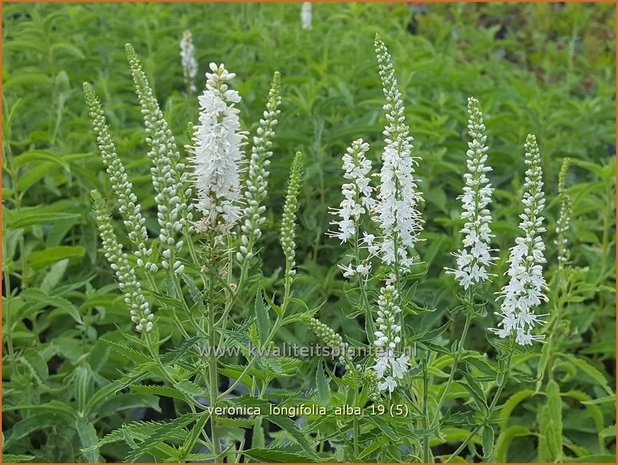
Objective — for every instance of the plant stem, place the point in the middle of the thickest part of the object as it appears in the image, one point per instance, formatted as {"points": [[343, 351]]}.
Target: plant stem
{"points": [[456, 358], [491, 407], [425, 416]]}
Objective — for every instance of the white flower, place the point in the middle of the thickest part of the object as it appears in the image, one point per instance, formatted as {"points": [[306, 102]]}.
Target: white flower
{"points": [[524, 290], [189, 63], [305, 15], [357, 193], [387, 366], [396, 210], [217, 154], [475, 255]]}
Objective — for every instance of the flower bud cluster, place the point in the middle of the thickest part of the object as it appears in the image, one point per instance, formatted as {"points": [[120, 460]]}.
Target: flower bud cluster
{"points": [[257, 176], [169, 178], [128, 204], [125, 275], [564, 219], [388, 367], [329, 337], [524, 290], [288, 224]]}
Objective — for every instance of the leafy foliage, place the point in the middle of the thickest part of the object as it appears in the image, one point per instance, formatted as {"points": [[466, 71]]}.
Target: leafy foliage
{"points": [[78, 385]]}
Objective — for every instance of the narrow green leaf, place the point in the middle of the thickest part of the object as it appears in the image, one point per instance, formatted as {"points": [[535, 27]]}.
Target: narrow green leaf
{"points": [[261, 315]]}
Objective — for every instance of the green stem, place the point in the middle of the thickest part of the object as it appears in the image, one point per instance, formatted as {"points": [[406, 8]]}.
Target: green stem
{"points": [[491, 407], [456, 359], [425, 416]]}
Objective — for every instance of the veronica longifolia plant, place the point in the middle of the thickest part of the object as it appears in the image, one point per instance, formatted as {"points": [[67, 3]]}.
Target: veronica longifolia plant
{"points": [[192, 286]]}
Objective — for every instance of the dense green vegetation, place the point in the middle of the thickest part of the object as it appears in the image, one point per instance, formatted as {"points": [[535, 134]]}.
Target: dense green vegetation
{"points": [[546, 69]]}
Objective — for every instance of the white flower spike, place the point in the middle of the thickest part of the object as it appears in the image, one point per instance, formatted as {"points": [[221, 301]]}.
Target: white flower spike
{"points": [[525, 289], [396, 211], [217, 154], [189, 63], [474, 257]]}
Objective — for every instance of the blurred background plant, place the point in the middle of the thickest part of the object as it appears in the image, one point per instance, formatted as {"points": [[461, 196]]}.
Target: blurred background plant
{"points": [[542, 68]]}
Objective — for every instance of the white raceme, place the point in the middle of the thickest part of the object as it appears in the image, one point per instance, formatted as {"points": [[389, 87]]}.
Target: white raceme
{"points": [[217, 154], [525, 289], [474, 257], [396, 211], [306, 15], [389, 367], [189, 62]]}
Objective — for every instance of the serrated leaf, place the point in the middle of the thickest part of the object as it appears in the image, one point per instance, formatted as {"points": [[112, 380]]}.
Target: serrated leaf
{"points": [[288, 425], [474, 388], [62, 304], [51, 255], [322, 385], [265, 455]]}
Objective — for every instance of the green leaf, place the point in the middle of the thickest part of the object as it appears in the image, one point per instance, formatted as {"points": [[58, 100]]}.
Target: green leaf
{"points": [[288, 425], [504, 441], [62, 304], [36, 364], [589, 370], [41, 218], [474, 388], [487, 437], [12, 458], [50, 255], [592, 459], [554, 404], [160, 434], [158, 390], [261, 315], [265, 455], [88, 437]]}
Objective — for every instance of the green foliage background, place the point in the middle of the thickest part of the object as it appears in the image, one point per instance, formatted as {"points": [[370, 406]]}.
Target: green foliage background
{"points": [[543, 68]]}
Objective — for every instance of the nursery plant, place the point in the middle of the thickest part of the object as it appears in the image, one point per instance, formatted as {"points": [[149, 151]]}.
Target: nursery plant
{"points": [[288, 306]]}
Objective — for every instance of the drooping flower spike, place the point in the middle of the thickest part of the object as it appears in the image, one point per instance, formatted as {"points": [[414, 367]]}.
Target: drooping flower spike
{"points": [[119, 263], [128, 205], [525, 289], [474, 257], [217, 154], [396, 210]]}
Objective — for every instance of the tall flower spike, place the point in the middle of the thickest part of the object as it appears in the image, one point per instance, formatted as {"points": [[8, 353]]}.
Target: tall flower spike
{"points": [[398, 197], [524, 290], [475, 255], [127, 281], [288, 224], [306, 14], [388, 367], [189, 63], [357, 193], [564, 220], [357, 200], [257, 176], [128, 205], [168, 172], [217, 153]]}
